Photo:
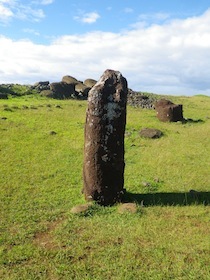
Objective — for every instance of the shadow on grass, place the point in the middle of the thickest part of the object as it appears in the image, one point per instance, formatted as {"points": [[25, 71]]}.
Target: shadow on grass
{"points": [[192, 121], [171, 199]]}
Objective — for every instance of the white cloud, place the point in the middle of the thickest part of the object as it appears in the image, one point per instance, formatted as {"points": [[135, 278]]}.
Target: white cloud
{"points": [[173, 58], [29, 13], [42, 2], [155, 16], [14, 9], [128, 10], [109, 8], [87, 17], [46, 2], [5, 12], [31, 31]]}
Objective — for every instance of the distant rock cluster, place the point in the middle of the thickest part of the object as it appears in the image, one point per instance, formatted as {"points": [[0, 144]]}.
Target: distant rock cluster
{"points": [[69, 87]]}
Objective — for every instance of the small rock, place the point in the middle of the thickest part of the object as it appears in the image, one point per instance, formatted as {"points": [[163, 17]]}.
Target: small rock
{"points": [[156, 180], [53, 133], [146, 184], [78, 209], [150, 133], [127, 208], [193, 192], [25, 107], [128, 134]]}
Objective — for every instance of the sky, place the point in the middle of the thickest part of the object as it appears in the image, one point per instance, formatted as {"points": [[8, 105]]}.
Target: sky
{"points": [[159, 46]]}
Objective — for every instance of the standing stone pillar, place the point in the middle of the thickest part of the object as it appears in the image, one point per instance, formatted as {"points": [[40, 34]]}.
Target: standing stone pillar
{"points": [[103, 169]]}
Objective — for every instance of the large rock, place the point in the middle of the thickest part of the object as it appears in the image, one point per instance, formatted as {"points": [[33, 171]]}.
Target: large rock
{"points": [[167, 111], [89, 82], [40, 86], [70, 80], [82, 89], [62, 90], [103, 169]]}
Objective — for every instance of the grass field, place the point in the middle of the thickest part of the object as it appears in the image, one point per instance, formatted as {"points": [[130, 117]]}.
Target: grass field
{"points": [[41, 156]]}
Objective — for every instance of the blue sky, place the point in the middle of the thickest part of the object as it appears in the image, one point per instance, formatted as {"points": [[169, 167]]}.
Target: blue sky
{"points": [[159, 46]]}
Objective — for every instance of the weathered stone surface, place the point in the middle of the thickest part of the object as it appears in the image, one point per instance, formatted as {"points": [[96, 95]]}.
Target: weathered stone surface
{"points": [[168, 111], [139, 99], [62, 90], [103, 169], [82, 89], [70, 80], [41, 86], [150, 133], [163, 103], [89, 82]]}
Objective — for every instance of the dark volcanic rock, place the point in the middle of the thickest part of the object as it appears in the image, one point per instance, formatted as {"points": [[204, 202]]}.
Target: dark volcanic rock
{"points": [[62, 90], [82, 90], [168, 111], [150, 133], [138, 99], [40, 86], [103, 169]]}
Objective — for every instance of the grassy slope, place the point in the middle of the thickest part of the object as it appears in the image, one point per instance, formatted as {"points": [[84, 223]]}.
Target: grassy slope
{"points": [[41, 180]]}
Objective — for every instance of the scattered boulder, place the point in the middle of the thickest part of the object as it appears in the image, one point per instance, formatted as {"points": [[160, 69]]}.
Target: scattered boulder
{"points": [[89, 83], [69, 87], [40, 86], [62, 90], [53, 132], [167, 111], [82, 89], [70, 80], [151, 133]]}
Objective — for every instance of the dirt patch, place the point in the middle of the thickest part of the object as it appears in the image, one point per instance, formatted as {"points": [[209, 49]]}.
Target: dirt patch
{"points": [[127, 208], [46, 239]]}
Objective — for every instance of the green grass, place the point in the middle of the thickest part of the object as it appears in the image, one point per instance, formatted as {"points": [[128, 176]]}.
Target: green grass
{"points": [[41, 180], [17, 90]]}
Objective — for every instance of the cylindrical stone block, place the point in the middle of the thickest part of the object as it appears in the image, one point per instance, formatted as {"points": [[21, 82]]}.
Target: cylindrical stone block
{"points": [[103, 169], [168, 111]]}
